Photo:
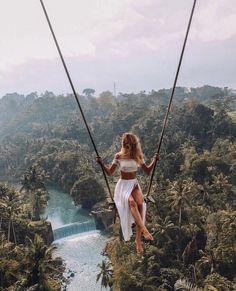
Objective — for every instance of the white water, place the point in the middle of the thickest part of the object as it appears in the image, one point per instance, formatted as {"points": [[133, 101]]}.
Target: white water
{"points": [[81, 252]]}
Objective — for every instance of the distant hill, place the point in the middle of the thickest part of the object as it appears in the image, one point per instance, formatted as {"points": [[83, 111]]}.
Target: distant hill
{"points": [[33, 112]]}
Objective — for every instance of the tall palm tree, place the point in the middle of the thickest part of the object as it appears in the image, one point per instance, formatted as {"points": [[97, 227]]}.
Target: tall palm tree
{"points": [[10, 205], [9, 266], [105, 274], [41, 266], [162, 228], [33, 186], [180, 194], [221, 191]]}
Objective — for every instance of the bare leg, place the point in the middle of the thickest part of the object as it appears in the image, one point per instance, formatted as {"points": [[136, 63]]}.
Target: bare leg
{"points": [[138, 219], [138, 198], [138, 242], [137, 195]]}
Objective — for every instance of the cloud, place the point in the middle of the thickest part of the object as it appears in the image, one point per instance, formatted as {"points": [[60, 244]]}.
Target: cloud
{"points": [[133, 42], [214, 21]]}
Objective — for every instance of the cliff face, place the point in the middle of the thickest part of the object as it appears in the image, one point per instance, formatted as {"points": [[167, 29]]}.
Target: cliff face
{"points": [[104, 217]]}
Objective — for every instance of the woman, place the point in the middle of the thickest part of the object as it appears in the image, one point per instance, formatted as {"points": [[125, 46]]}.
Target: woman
{"points": [[128, 196]]}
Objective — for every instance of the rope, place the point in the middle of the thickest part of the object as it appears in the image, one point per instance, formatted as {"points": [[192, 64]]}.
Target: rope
{"points": [[172, 95], [74, 92]]}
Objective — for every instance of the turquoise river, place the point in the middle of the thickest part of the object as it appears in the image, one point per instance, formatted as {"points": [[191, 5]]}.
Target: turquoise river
{"points": [[77, 240]]}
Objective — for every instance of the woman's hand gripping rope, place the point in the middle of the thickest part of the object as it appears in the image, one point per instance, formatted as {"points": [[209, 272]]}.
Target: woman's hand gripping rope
{"points": [[156, 158], [99, 160]]}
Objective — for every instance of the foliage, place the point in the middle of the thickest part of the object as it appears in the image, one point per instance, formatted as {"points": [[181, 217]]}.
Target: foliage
{"points": [[105, 274], [219, 282], [87, 192], [27, 264], [10, 205], [183, 284], [192, 217]]}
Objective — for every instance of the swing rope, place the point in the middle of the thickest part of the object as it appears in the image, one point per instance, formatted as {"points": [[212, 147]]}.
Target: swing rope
{"points": [[171, 97], [75, 94]]}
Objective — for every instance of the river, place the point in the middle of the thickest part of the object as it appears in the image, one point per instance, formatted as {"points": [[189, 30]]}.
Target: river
{"points": [[77, 240]]}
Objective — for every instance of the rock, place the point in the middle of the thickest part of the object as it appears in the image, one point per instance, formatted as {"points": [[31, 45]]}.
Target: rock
{"points": [[104, 217]]}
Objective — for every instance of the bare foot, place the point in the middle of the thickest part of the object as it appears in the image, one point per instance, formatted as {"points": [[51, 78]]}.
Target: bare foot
{"points": [[139, 249], [147, 235]]}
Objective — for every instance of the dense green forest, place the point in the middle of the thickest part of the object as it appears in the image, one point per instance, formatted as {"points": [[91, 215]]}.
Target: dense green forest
{"points": [[193, 216]]}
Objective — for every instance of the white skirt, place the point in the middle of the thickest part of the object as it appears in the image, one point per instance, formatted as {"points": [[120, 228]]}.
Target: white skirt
{"points": [[122, 193]]}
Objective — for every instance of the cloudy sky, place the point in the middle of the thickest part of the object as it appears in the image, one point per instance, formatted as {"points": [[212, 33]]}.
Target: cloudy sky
{"points": [[134, 43]]}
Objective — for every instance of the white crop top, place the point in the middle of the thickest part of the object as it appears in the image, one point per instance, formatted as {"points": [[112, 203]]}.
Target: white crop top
{"points": [[126, 165]]}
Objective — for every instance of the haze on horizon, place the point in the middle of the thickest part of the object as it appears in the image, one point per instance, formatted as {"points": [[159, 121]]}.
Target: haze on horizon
{"points": [[134, 43]]}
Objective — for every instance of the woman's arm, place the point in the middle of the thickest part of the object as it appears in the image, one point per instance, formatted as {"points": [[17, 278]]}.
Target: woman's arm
{"points": [[108, 169], [148, 169]]}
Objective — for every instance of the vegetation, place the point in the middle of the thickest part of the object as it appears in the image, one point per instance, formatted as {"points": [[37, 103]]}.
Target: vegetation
{"points": [[105, 274], [88, 192], [26, 261], [193, 216]]}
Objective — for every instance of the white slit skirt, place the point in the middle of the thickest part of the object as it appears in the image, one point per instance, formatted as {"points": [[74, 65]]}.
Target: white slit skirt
{"points": [[122, 193]]}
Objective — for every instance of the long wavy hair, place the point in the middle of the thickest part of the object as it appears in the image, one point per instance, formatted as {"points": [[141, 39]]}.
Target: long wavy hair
{"points": [[130, 143]]}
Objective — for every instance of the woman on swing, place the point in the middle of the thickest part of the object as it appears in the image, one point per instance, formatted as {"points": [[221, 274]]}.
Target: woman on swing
{"points": [[128, 196]]}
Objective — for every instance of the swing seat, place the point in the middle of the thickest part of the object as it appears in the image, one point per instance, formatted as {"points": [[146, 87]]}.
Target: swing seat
{"points": [[149, 199]]}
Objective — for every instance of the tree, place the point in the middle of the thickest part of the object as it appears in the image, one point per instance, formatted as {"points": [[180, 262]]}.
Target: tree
{"points": [[10, 205], [41, 267], [34, 187], [105, 274], [180, 194], [88, 92], [107, 102], [183, 284], [162, 229], [87, 192], [9, 267], [219, 282]]}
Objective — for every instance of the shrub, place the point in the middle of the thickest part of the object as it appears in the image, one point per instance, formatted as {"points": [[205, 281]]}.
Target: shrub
{"points": [[87, 192]]}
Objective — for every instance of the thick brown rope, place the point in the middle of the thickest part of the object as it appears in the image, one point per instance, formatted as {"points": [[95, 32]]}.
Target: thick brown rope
{"points": [[74, 92]]}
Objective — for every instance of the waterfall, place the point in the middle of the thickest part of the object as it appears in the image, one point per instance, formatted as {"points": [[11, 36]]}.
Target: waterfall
{"points": [[73, 228]]}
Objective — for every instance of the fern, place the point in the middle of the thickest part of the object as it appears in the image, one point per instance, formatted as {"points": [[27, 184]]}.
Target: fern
{"points": [[183, 284]]}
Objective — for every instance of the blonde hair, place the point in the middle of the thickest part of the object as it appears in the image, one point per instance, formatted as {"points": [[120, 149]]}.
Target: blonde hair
{"points": [[130, 142]]}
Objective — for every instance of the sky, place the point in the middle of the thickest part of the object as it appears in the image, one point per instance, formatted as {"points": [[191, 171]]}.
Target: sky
{"points": [[135, 44]]}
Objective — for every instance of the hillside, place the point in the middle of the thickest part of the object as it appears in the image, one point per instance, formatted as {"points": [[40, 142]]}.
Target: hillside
{"points": [[193, 216]]}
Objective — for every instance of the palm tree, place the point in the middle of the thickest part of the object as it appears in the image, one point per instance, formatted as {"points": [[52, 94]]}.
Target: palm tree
{"points": [[105, 274], [162, 228], [38, 202], [207, 259], [88, 92], [221, 191], [9, 265], [190, 252], [33, 179], [180, 194], [221, 183], [10, 205], [42, 268], [204, 192], [33, 185], [183, 284]]}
